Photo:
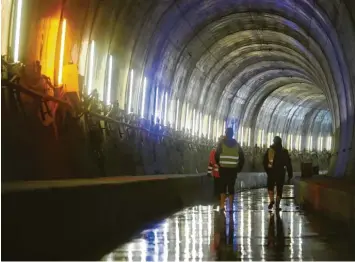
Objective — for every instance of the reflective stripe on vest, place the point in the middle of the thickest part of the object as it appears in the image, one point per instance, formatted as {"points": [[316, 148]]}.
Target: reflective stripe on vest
{"points": [[215, 168], [229, 156], [209, 169], [271, 156]]}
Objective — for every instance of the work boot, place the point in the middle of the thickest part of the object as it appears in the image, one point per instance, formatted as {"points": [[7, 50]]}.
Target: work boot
{"points": [[271, 204], [222, 202], [278, 208], [230, 200]]}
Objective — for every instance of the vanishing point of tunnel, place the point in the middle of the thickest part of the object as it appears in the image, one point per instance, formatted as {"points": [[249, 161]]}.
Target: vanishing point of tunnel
{"points": [[107, 90]]}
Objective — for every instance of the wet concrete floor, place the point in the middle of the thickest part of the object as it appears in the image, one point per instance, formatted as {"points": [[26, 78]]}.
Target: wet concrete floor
{"points": [[251, 232]]}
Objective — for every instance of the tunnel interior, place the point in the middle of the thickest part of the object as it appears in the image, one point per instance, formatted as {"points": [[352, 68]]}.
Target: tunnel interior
{"points": [[262, 67]]}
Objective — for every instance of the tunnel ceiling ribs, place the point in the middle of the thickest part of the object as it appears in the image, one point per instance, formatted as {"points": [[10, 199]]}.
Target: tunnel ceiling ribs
{"points": [[216, 54], [279, 66], [231, 59]]}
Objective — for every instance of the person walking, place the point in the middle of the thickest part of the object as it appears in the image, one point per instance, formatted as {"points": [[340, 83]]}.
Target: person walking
{"points": [[275, 160], [213, 169], [230, 159]]}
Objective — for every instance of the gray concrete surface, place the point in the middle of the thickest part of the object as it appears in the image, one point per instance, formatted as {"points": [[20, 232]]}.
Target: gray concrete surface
{"points": [[330, 197], [88, 217]]}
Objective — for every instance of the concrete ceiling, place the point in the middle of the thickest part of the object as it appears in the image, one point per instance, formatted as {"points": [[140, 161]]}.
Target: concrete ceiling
{"points": [[286, 61], [208, 53]]}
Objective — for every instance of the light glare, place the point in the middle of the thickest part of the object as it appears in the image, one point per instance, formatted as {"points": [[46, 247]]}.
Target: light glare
{"points": [[91, 66], [143, 95], [61, 56], [18, 31], [130, 92], [177, 115], [108, 95], [165, 108]]}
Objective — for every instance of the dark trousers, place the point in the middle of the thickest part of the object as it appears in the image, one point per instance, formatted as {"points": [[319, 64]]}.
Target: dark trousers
{"points": [[216, 191], [278, 180], [228, 177]]}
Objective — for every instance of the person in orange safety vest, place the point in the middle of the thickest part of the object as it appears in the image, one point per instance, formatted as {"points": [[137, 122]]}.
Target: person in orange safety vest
{"points": [[212, 165], [213, 169]]}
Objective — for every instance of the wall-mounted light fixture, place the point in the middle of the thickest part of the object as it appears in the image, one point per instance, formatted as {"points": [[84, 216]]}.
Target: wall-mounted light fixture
{"points": [[130, 91], [249, 136], [91, 66], [143, 96], [241, 136], [193, 121], [217, 129], [329, 143], [177, 114], [209, 127], [17, 30], [201, 125], [109, 81], [291, 142], [310, 143], [61, 53], [166, 109], [187, 116]]}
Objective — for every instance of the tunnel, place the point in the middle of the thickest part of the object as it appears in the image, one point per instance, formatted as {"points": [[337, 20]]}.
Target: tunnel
{"points": [[261, 67], [191, 67]]}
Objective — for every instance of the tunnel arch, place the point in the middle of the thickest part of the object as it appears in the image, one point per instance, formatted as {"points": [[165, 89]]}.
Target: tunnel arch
{"points": [[186, 50], [337, 78]]}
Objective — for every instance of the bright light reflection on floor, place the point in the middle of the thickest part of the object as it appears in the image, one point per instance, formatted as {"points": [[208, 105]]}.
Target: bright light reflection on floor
{"points": [[201, 233]]}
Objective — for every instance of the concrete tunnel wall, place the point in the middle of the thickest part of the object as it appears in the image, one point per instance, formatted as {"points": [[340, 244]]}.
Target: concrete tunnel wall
{"points": [[37, 155], [34, 153], [282, 67]]}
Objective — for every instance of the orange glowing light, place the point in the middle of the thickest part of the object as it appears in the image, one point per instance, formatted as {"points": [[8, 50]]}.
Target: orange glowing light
{"points": [[61, 56]]}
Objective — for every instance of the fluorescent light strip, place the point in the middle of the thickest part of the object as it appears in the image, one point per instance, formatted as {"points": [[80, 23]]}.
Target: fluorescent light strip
{"points": [[156, 103], [91, 66], [193, 121], [18, 30], [300, 142], [171, 113], [217, 129], [186, 116], [209, 127], [259, 137], [109, 81], [291, 142], [160, 111], [61, 55], [200, 129], [249, 136], [177, 115], [143, 96], [165, 108], [242, 136], [130, 92]]}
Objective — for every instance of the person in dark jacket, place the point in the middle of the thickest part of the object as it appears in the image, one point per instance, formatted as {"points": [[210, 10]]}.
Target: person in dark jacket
{"points": [[276, 159], [230, 159]]}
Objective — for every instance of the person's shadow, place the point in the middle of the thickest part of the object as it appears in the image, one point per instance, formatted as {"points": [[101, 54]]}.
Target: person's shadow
{"points": [[276, 238], [225, 247]]}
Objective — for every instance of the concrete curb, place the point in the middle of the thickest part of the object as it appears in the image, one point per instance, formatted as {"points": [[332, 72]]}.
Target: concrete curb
{"points": [[335, 203]]}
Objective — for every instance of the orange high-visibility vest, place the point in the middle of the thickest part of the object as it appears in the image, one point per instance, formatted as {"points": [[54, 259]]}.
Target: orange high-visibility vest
{"points": [[212, 165]]}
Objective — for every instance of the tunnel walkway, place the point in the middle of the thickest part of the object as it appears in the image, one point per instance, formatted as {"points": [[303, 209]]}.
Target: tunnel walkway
{"points": [[201, 233]]}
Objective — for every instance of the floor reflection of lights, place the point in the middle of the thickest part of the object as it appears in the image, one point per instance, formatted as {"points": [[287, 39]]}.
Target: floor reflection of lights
{"points": [[190, 235]]}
